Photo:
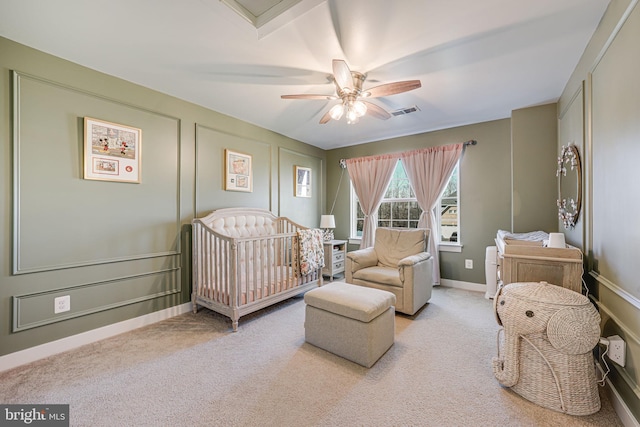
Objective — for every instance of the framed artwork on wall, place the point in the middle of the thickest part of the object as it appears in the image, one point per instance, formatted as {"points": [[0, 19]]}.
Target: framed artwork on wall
{"points": [[112, 152], [238, 175], [303, 181]]}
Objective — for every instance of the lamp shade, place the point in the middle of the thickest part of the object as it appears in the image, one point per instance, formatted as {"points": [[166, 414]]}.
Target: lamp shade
{"points": [[327, 221]]}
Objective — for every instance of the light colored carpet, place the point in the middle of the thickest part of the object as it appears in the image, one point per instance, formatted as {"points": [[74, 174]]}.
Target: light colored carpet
{"points": [[191, 370]]}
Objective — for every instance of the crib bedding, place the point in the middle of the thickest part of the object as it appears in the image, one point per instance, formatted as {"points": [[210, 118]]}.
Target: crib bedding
{"points": [[311, 251]]}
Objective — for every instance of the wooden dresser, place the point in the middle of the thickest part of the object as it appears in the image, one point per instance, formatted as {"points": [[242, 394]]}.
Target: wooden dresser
{"points": [[523, 261]]}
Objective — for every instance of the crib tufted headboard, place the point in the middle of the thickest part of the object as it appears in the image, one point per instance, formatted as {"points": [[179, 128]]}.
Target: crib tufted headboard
{"points": [[242, 222]]}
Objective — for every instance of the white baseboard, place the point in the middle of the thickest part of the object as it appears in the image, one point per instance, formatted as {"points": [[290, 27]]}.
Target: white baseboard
{"points": [[458, 284], [622, 410], [32, 354]]}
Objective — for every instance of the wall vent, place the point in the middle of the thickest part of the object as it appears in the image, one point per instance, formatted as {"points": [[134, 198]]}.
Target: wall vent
{"points": [[403, 111]]}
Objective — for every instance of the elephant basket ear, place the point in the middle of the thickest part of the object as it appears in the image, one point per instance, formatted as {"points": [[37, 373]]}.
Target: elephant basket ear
{"points": [[574, 330], [495, 305]]}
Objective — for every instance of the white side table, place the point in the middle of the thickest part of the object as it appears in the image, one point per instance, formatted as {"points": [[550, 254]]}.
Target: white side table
{"points": [[335, 252]]}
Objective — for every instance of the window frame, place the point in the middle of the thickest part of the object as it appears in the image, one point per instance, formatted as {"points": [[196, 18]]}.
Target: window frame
{"points": [[442, 245]]}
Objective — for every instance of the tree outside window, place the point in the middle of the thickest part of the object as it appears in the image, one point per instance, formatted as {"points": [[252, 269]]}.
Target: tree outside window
{"points": [[399, 207]]}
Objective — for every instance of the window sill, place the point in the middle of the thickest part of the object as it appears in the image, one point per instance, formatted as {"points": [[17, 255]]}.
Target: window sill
{"points": [[449, 247], [355, 240], [442, 247]]}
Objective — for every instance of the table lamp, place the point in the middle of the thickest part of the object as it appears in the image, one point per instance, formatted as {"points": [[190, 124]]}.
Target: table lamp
{"points": [[328, 222]]}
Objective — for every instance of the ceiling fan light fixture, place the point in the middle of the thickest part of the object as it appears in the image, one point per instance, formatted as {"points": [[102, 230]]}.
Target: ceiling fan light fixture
{"points": [[336, 111], [348, 85], [352, 116], [360, 108]]}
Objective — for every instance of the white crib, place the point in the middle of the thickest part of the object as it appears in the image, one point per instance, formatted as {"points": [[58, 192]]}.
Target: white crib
{"points": [[245, 259]]}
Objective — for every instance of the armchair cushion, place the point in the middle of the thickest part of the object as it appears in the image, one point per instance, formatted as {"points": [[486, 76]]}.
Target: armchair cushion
{"points": [[379, 274], [391, 246]]}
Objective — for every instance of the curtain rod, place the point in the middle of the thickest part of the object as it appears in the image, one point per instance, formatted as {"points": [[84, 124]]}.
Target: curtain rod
{"points": [[343, 163]]}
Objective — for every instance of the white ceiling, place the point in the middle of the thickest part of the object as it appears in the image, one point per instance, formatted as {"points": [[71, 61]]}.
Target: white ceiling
{"points": [[477, 60]]}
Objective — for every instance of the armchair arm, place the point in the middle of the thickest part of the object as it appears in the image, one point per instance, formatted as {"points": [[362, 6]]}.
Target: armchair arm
{"points": [[362, 258], [416, 274], [414, 259], [357, 260]]}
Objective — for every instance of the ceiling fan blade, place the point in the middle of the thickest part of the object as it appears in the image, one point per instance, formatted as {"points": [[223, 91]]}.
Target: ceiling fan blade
{"points": [[325, 118], [392, 88], [342, 74], [377, 112], [308, 96]]}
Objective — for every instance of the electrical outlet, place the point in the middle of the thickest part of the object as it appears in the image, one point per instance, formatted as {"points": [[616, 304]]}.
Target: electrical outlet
{"points": [[62, 304], [468, 263], [617, 350]]}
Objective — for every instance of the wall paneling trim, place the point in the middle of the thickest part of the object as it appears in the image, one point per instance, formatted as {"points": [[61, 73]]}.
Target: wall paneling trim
{"points": [[51, 200]]}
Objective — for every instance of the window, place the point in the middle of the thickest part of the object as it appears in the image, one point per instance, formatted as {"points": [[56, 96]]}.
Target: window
{"points": [[449, 216], [399, 207]]}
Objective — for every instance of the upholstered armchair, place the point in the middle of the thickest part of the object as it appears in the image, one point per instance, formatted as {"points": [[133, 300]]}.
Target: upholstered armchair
{"points": [[398, 263]]}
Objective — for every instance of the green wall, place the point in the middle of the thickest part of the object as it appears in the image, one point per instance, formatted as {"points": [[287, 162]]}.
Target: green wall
{"points": [[120, 250], [599, 110], [534, 156]]}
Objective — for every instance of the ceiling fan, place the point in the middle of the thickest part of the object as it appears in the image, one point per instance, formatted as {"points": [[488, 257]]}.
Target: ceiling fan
{"points": [[349, 90]]}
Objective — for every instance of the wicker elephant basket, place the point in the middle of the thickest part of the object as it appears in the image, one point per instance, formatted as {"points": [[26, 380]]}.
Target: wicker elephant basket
{"points": [[545, 354]]}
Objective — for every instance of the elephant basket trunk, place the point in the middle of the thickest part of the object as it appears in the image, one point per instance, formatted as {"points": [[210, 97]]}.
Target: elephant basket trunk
{"points": [[546, 354]]}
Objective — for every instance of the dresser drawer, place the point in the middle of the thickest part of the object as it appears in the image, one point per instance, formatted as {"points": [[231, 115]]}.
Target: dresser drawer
{"points": [[338, 267], [338, 256]]}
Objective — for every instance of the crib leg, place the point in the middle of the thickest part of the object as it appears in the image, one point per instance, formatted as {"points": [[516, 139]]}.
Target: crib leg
{"points": [[234, 324], [194, 306]]}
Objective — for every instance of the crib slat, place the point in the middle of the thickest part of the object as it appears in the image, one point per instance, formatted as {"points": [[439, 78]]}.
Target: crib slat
{"points": [[258, 271], [284, 268], [225, 274], [249, 271], [216, 277], [275, 268], [264, 267], [195, 262]]}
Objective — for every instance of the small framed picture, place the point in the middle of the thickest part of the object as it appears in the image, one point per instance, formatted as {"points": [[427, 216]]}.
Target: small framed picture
{"points": [[303, 181], [111, 151], [237, 171]]}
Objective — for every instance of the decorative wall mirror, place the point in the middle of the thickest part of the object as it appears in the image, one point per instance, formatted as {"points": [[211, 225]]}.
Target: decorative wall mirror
{"points": [[569, 175]]}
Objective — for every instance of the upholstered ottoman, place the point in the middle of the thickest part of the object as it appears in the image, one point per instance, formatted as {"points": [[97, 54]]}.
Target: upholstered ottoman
{"points": [[351, 321]]}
